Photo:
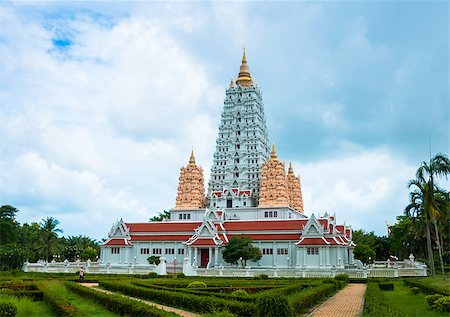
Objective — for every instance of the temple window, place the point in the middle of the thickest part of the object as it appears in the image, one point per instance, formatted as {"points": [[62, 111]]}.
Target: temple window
{"points": [[170, 251], [145, 251], [267, 251], [312, 251], [115, 250], [157, 251], [189, 216], [181, 251], [180, 216], [282, 251]]}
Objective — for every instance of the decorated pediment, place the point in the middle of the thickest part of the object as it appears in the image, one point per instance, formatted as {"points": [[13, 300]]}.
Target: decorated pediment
{"points": [[120, 230], [312, 227]]}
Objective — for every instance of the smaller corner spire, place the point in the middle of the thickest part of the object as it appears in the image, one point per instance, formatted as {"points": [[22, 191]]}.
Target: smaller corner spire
{"points": [[273, 154], [232, 83], [291, 169], [192, 158]]}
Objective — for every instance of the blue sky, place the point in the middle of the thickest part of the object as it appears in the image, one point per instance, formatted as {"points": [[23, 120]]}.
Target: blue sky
{"points": [[101, 102]]}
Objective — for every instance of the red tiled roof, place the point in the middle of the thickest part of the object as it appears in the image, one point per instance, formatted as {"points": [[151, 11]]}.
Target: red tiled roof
{"points": [[204, 242], [269, 237], [117, 242], [244, 192], [235, 190], [171, 237], [167, 226], [312, 241], [293, 224]]}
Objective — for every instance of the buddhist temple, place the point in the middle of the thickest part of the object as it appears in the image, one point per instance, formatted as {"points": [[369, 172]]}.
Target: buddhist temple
{"points": [[249, 193]]}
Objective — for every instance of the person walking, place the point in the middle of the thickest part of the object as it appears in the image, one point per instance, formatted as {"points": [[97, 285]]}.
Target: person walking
{"points": [[81, 275]]}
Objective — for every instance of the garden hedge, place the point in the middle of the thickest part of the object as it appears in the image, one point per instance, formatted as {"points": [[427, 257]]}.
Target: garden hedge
{"points": [[59, 305], [303, 300], [183, 300], [118, 304], [426, 288], [375, 304]]}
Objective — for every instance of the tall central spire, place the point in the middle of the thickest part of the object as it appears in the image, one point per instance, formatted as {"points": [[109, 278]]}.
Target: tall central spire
{"points": [[244, 77]]}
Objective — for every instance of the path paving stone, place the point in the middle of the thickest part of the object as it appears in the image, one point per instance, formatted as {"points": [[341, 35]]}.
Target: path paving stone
{"points": [[348, 302], [163, 307]]}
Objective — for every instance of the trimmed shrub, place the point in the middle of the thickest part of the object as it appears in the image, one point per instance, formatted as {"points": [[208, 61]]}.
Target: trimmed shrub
{"points": [[273, 306], [239, 292], [197, 284], [59, 305], [152, 275], [375, 303], [386, 286], [181, 275], [426, 288], [219, 313], [342, 277], [7, 309], [263, 276], [415, 290], [303, 300], [118, 304], [432, 299], [443, 304], [153, 260]]}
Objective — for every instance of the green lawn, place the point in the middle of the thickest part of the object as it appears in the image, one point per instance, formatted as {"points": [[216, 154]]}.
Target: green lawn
{"points": [[407, 304], [85, 306], [26, 307], [438, 282]]}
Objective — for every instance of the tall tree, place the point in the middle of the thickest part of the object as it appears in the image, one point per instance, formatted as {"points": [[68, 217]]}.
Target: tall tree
{"points": [[425, 203], [49, 235], [161, 216], [240, 248], [8, 224]]}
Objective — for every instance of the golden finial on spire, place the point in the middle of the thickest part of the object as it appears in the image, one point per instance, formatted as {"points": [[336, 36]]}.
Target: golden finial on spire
{"points": [[273, 154], [232, 83], [244, 78], [192, 158], [291, 170]]}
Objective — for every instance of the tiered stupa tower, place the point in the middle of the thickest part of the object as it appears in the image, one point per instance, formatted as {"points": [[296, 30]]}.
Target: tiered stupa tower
{"points": [[242, 145], [191, 190], [274, 187], [294, 190]]}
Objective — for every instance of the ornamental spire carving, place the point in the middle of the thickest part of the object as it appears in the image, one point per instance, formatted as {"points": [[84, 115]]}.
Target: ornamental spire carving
{"points": [[273, 187], [244, 77], [294, 190], [191, 190]]}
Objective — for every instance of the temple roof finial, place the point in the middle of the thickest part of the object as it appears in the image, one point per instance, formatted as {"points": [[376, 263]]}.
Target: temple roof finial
{"points": [[232, 83], [192, 158], [291, 170], [273, 154], [244, 78]]}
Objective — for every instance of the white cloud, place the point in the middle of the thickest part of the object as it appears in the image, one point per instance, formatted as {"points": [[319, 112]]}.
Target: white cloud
{"points": [[363, 189]]}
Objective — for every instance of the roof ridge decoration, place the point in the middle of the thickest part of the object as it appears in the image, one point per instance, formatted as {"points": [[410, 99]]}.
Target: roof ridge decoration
{"points": [[312, 228]]}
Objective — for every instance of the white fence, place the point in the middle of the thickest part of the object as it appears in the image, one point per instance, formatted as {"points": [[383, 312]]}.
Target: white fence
{"points": [[378, 269]]}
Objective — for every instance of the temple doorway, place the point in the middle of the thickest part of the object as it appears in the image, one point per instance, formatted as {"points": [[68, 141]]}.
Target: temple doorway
{"points": [[204, 257]]}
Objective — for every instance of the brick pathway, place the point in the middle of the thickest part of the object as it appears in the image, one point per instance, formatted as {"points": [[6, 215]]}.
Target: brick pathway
{"points": [[348, 302], [162, 307]]}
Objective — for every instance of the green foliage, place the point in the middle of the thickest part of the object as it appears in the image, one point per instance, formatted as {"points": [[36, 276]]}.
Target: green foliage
{"points": [[239, 292], [197, 284], [431, 299], [342, 277], [49, 235], [273, 306], [375, 303], [152, 275], [426, 286], [240, 248], [364, 253], [12, 256], [181, 275], [8, 224], [303, 300], [153, 260], [161, 216], [443, 304], [7, 309], [219, 313], [415, 290], [192, 302], [58, 304], [118, 304], [262, 277], [386, 286]]}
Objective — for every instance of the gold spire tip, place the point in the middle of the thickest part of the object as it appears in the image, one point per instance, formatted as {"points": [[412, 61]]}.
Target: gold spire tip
{"points": [[232, 83], [244, 58], [291, 170], [273, 154], [192, 158]]}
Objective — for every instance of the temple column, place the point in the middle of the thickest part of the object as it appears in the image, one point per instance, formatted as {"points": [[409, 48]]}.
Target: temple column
{"points": [[297, 259], [209, 257], [327, 254], [274, 252], [304, 257], [216, 256], [320, 256], [195, 256]]}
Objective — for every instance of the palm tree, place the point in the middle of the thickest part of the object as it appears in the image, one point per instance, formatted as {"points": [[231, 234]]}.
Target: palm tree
{"points": [[428, 201], [49, 234]]}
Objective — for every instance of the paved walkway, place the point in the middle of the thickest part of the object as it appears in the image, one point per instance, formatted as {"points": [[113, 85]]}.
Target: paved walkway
{"points": [[162, 307], [348, 302]]}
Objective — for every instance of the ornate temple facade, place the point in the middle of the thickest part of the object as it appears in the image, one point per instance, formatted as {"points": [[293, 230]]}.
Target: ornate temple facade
{"points": [[249, 193]]}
